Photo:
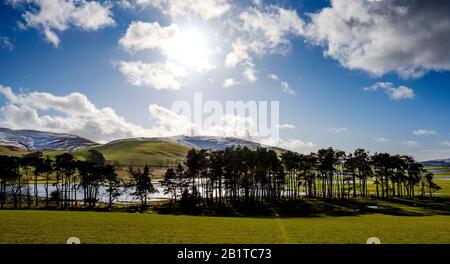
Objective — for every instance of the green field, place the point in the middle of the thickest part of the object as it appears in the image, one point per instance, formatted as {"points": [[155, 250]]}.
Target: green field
{"points": [[30, 226]]}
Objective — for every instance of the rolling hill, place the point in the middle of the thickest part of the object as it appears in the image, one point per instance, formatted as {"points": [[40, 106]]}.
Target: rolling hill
{"points": [[437, 162], [12, 151], [158, 151], [40, 140]]}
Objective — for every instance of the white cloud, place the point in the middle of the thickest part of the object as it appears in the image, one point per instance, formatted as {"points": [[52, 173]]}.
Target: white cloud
{"points": [[72, 113], [182, 51], [270, 29], [167, 76], [410, 143], [445, 143], [381, 139], [76, 114], [254, 33], [424, 132], [230, 82], [5, 43], [394, 93], [250, 74], [141, 35], [257, 3], [239, 53], [284, 85], [339, 130], [274, 77], [52, 16], [127, 4], [406, 37], [229, 126], [286, 126], [206, 9], [263, 32], [289, 144], [401, 92], [170, 122]]}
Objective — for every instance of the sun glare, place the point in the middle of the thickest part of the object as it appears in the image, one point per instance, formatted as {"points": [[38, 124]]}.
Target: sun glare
{"points": [[190, 49]]}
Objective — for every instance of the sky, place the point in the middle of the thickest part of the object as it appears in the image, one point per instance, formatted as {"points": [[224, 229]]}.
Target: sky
{"points": [[373, 74]]}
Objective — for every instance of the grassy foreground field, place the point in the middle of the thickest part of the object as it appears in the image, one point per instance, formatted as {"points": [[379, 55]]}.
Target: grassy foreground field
{"points": [[30, 226]]}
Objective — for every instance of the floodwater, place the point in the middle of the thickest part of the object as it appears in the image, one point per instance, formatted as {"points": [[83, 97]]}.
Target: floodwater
{"points": [[103, 196]]}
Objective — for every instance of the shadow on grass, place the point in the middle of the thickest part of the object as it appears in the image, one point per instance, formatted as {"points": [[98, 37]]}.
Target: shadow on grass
{"points": [[314, 208], [318, 207]]}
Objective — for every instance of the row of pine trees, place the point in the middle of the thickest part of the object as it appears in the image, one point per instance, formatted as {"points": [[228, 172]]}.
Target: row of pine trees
{"points": [[233, 174], [19, 178], [262, 175]]}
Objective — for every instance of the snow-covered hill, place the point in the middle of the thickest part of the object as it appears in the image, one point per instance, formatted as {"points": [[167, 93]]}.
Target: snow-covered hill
{"points": [[40, 140], [213, 143], [203, 142]]}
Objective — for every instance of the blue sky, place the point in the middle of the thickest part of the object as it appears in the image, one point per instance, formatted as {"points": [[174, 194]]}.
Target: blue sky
{"points": [[356, 84]]}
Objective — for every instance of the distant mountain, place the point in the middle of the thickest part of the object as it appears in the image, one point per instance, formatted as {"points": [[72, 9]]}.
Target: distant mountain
{"points": [[40, 140], [131, 151], [203, 142], [437, 162], [165, 150]]}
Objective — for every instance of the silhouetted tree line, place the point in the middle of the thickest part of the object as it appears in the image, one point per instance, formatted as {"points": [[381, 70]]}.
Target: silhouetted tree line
{"points": [[69, 177], [262, 175]]}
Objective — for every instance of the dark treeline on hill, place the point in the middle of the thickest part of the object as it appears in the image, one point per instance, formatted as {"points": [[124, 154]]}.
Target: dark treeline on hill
{"points": [[235, 174], [262, 175]]}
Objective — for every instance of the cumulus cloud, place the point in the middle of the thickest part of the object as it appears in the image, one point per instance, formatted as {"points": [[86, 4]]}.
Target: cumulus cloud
{"points": [[339, 130], [76, 114], [284, 85], [170, 122], [142, 35], [228, 126], [394, 93], [289, 144], [424, 132], [72, 113], [381, 139], [263, 32], [52, 16], [410, 143], [182, 51], [255, 31], [205, 9], [405, 37], [161, 76]]}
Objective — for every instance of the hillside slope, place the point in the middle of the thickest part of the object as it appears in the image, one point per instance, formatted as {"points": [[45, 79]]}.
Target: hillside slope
{"points": [[40, 140], [438, 162], [158, 151], [154, 152]]}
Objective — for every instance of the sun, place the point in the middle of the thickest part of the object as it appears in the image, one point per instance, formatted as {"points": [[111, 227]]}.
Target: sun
{"points": [[190, 49]]}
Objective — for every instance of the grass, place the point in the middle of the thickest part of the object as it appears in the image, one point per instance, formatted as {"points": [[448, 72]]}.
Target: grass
{"points": [[139, 153], [29, 226], [12, 151]]}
